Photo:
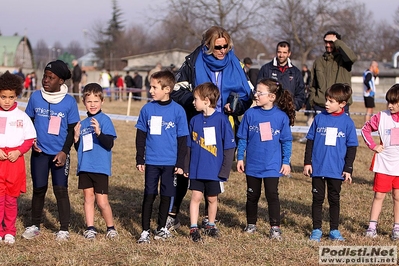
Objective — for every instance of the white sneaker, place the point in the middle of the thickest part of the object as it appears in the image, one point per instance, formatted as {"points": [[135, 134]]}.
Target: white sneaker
{"points": [[112, 234], [9, 239], [144, 237], [163, 234], [31, 232], [62, 235]]}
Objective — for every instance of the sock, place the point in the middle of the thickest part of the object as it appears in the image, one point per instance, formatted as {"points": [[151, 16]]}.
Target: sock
{"points": [[275, 227], [91, 228], [173, 215], [396, 226], [193, 226], [211, 224], [373, 225], [110, 228]]}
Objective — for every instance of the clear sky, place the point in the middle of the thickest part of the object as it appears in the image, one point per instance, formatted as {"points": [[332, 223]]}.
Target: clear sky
{"points": [[65, 21]]}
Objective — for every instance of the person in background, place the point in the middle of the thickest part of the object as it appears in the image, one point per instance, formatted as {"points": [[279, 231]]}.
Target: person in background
{"points": [[54, 114], [265, 137], [369, 88], [329, 155], [306, 74], [94, 138], [76, 79], [161, 144], [385, 163], [138, 80], [211, 142], [17, 135], [251, 72]]}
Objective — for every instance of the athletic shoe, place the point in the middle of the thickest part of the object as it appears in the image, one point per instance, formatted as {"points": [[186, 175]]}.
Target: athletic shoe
{"points": [[90, 234], [31, 232], [250, 228], [172, 223], [316, 235], [62, 235], [395, 234], [335, 235], [194, 234], [372, 233], [112, 234], [204, 223], [211, 231], [144, 237], [163, 234], [275, 233], [9, 239]]}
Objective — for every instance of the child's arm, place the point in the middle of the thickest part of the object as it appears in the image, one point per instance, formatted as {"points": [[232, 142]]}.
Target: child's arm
{"points": [[369, 127], [12, 156], [286, 153], [307, 169], [186, 169], [181, 154], [60, 158], [228, 157], [349, 159], [141, 137], [241, 147], [76, 136]]}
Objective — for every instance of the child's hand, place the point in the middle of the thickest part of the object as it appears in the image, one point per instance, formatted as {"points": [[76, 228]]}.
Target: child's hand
{"points": [[60, 159], [140, 167], [240, 166], [3, 155], [35, 147], [285, 169], [378, 148], [96, 126], [307, 170], [178, 171], [186, 175], [347, 177], [77, 132], [13, 155]]}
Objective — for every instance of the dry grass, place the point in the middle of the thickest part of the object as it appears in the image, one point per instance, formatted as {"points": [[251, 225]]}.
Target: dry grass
{"points": [[232, 248]]}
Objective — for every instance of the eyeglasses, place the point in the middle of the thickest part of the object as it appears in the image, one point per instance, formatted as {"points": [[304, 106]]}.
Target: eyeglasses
{"points": [[260, 93], [220, 47]]}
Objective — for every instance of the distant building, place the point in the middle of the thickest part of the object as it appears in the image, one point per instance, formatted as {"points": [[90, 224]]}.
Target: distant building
{"points": [[89, 61], [15, 52]]}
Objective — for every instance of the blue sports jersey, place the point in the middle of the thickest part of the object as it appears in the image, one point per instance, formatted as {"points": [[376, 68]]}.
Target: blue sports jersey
{"points": [[206, 160], [97, 160], [41, 110], [264, 158], [328, 160], [161, 149]]}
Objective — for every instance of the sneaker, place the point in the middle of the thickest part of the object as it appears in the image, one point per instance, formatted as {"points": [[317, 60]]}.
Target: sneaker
{"points": [[335, 235], [144, 237], [62, 235], [372, 233], [31, 232], [302, 140], [112, 234], [395, 234], [194, 234], [90, 234], [211, 231], [250, 228], [316, 235], [172, 223], [204, 223], [163, 234], [275, 233], [9, 239]]}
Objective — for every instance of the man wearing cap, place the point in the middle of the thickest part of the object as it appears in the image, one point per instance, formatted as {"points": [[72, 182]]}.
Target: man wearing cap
{"points": [[54, 113]]}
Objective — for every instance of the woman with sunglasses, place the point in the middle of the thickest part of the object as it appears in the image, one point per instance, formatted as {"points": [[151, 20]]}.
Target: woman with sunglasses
{"points": [[213, 61]]}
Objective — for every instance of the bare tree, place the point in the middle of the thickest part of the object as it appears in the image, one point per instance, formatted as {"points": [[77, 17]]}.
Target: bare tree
{"points": [[41, 54], [75, 49]]}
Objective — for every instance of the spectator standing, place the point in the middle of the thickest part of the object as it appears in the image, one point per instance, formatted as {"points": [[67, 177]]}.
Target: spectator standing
{"points": [[369, 88], [138, 80], [251, 72], [76, 78]]}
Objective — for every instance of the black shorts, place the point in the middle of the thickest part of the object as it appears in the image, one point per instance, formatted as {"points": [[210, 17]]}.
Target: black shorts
{"points": [[93, 180], [208, 187], [369, 102]]}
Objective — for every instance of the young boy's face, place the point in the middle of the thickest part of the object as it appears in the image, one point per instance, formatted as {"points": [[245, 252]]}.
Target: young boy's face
{"points": [[199, 104], [332, 106], [393, 107], [93, 103], [157, 92], [7, 99]]}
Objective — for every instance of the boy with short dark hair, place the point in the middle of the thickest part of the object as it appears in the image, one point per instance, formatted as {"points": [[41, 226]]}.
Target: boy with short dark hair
{"points": [[94, 138], [329, 156], [161, 147]]}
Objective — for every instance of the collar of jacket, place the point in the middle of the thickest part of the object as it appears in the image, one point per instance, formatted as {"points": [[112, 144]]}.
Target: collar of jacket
{"points": [[275, 62]]}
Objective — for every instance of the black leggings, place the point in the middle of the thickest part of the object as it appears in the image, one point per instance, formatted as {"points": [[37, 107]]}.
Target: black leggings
{"points": [[148, 202], [319, 192], [254, 188]]}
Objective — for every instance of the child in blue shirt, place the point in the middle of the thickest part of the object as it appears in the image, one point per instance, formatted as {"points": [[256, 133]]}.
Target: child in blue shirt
{"points": [[210, 154], [161, 143], [265, 137], [94, 139], [329, 156]]}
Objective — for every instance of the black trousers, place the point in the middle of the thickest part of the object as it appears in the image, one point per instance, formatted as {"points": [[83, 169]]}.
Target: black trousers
{"points": [[319, 192], [254, 188]]}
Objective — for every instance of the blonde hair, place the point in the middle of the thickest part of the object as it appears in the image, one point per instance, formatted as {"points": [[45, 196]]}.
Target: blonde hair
{"points": [[213, 33]]}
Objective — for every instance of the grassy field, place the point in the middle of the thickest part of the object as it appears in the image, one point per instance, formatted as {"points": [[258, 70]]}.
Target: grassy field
{"points": [[233, 247]]}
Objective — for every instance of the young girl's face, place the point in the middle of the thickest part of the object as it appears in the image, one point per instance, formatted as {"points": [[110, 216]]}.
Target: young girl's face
{"points": [[93, 104], [51, 82], [393, 107], [7, 99], [199, 104], [263, 98]]}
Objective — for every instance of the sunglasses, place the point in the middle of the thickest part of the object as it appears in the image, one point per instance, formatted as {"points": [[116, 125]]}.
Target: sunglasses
{"points": [[220, 47]]}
